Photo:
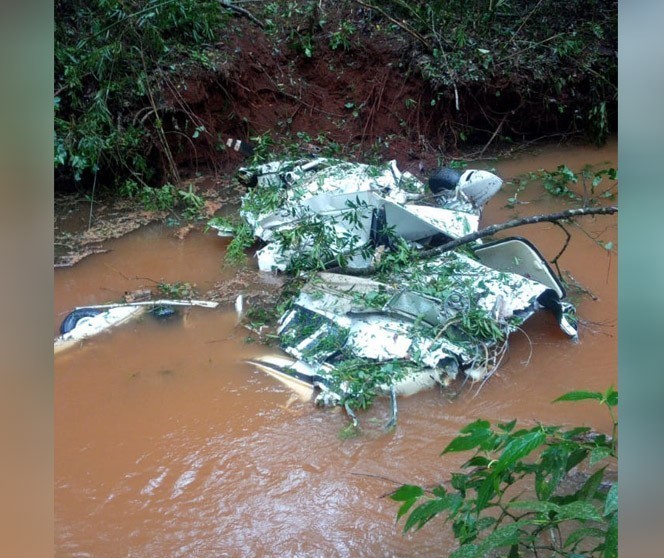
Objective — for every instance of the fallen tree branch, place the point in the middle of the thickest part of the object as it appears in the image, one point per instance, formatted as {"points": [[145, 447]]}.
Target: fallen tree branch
{"points": [[554, 261], [241, 11], [401, 24], [495, 133], [493, 229]]}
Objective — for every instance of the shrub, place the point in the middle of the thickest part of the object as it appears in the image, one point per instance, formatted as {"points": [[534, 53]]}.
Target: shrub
{"points": [[112, 60], [486, 505]]}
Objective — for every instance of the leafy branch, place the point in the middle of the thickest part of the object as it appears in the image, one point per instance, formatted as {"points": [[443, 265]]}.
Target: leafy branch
{"points": [[551, 517]]}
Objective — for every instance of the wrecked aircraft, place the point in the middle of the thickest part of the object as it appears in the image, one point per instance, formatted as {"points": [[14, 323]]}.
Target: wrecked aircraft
{"points": [[393, 321]]}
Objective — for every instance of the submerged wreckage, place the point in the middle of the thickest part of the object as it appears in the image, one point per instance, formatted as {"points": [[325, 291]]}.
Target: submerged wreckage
{"points": [[84, 322], [398, 317]]}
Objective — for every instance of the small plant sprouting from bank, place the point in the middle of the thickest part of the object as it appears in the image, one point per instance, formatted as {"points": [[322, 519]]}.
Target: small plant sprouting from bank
{"points": [[494, 510], [341, 38], [165, 198], [193, 203]]}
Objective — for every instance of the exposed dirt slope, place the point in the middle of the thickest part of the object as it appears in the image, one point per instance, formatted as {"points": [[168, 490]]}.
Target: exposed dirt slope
{"points": [[337, 102]]}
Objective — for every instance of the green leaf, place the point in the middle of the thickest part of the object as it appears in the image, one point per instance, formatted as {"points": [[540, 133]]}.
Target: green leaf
{"points": [[467, 551], [551, 470], [403, 509], [583, 533], [423, 513], [611, 540], [407, 492], [507, 426], [611, 503], [464, 443], [518, 448], [502, 536], [477, 461], [611, 397], [587, 491], [576, 457], [459, 481], [579, 396], [486, 491], [580, 511], [485, 522], [599, 454], [534, 505], [476, 426], [478, 432]]}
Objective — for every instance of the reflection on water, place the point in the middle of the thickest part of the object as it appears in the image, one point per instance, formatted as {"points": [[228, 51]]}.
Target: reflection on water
{"points": [[167, 444]]}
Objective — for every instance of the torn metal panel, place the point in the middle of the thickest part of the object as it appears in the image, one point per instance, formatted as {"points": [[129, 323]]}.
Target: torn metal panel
{"points": [[416, 222]]}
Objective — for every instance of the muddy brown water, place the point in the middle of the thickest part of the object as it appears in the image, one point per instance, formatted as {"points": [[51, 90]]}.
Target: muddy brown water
{"points": [[168, 444]]}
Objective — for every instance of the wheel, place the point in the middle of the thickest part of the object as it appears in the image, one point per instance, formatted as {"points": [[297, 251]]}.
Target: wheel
{"points": [[163, 312], [444, 179], [73, 317]]}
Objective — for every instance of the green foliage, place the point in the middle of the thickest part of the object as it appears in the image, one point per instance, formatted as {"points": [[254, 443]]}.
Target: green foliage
{"points": [[257, 317], [263, 145], [316, 244], [362, 380], [401, 257], [560, 54], [513, 495], [112, 60], [563, 182], [341, 38], [165, 198], [193, 203], [243, 238], [480, 325], [177, 290], [557, 182], [153, 199]]}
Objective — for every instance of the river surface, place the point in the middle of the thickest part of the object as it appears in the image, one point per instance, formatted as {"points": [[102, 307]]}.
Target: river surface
{"points": [[168, 445]]}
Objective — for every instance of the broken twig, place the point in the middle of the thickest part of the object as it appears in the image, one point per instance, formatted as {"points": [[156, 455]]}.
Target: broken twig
{"points": [[554, 261]]}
